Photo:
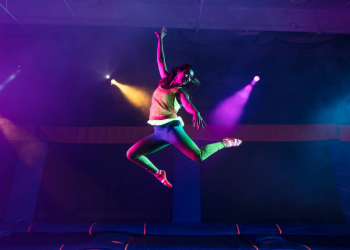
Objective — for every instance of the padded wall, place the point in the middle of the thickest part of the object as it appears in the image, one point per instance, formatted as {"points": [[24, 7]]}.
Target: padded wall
{"points": [[270, 182], [90, 182], [339, 152], [8, 161]]}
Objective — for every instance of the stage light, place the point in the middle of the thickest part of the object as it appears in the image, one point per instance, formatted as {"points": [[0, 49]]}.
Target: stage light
{"points": [[30, 150], [230, 110], [107, 76], [12, 77], [9, 79], [248, 88], [255, 80], [138, 98]]}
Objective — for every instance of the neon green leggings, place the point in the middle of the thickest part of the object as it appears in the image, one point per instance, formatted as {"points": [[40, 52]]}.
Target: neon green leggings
{"points": [[164, 135]]}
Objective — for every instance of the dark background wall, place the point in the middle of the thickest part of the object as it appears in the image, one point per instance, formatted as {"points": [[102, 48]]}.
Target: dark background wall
{"points": [[279, 182], [62, 83]]}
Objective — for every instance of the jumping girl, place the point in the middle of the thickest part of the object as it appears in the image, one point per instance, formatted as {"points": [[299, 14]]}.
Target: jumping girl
{"points": [[173, 93]]}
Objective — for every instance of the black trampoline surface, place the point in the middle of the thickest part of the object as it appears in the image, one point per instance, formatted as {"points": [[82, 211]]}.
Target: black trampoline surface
{"points": [[28, 239], [321, 241]]}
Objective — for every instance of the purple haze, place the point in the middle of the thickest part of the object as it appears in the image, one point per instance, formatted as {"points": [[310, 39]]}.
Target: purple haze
{"points": [[231, 109]]}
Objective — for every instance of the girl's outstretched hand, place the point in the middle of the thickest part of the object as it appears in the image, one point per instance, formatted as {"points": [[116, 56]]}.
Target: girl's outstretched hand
{"points": [[161, 33], [198, 121]]}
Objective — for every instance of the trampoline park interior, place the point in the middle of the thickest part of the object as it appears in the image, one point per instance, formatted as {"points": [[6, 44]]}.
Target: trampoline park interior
{"points": [[65, 180]]}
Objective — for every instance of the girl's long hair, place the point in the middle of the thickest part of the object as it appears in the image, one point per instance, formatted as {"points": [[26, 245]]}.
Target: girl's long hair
{"points": [[165, 82]]}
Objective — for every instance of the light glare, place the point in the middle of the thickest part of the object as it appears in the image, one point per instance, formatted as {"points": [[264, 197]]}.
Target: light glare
{"points": [[31, 150], [139, 98], [9, 79], [230, 110]]}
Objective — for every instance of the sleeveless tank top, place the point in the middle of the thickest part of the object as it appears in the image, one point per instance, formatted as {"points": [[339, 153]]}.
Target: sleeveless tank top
{"points": [[164, 106]]}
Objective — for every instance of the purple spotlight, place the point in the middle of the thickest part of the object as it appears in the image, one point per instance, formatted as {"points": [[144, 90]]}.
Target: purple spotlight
{"points": [[255, 80], [230, 110], [248, 88]]}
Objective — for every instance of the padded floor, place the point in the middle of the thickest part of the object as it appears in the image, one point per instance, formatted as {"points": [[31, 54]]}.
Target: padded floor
{"points": [[25, 239]]}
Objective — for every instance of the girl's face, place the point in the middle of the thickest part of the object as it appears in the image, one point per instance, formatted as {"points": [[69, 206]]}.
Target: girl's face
{"points": [[185, 76]]}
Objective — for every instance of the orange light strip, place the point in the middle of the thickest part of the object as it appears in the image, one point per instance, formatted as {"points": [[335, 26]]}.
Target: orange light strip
{"points": [[91, 228], [62, 247], [144, 229], [253, 244], [117, 242], [279, 229], [127, 244], [307, 247], [30, 227], [238, 232]]}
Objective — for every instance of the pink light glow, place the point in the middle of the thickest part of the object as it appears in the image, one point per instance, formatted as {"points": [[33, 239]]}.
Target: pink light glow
{"points": [[248, 88], [116, 242], [231, 109], [279, 229], [307, 247], [30, 227], [90, 231]]}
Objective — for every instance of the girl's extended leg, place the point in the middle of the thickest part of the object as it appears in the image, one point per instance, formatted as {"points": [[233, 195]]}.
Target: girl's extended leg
{"points": [[145, 146], [178, 137]]}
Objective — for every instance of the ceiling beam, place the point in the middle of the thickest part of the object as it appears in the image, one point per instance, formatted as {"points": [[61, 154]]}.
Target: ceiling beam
{"points": [[145, 15]]}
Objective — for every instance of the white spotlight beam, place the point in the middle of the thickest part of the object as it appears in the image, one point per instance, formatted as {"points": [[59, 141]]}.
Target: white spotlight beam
{"points": [[8, 12], [199, 16], [71, 12]]}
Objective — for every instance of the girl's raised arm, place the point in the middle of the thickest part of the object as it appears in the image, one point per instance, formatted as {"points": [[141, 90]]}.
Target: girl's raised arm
{"points": [[163, 71]]}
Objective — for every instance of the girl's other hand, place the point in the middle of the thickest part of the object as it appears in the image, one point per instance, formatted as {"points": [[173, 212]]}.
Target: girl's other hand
{"points": [[198, 121]]}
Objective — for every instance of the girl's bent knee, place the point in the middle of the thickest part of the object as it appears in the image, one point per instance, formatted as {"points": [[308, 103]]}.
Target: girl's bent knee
{"points": [[130, 155]]}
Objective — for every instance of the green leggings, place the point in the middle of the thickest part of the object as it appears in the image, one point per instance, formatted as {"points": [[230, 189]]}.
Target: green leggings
{"points": [[164, 135]]}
